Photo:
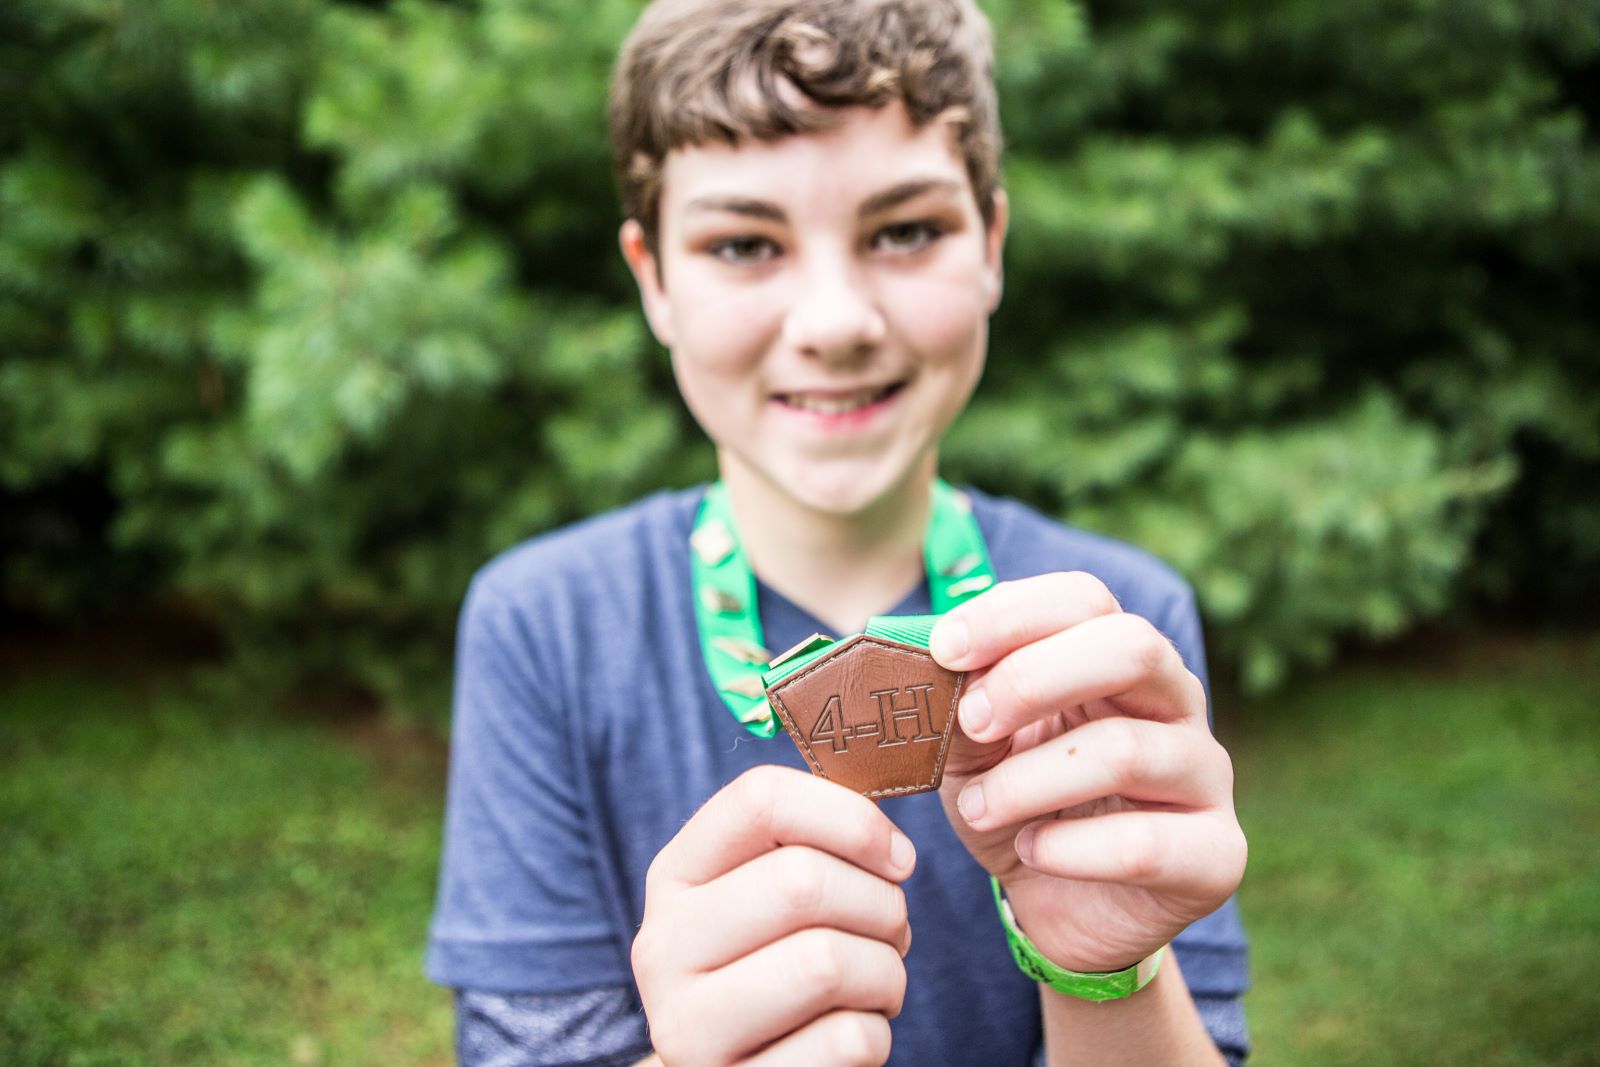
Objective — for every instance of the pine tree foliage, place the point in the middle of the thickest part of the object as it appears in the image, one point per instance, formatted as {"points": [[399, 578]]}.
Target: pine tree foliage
{"points": [[1306, 285], [307, 308]]}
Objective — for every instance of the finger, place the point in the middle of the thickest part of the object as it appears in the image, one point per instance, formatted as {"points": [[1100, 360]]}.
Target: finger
{"points": [[1017, 613], [1145, 761], [1194, 855], [1121, 656], [769, 807], [779, 893], [845, 1038], [790, 982]]}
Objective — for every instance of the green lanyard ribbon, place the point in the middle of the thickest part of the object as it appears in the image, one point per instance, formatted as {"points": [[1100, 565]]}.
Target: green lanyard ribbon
{"points": [[740, 665]]}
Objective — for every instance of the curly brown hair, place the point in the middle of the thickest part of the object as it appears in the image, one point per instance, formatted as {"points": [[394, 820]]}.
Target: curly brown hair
{"points": [[696, 71]]}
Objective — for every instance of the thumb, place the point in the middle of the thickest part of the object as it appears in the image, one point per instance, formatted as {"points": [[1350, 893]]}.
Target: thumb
{"points": [[968, 757]]}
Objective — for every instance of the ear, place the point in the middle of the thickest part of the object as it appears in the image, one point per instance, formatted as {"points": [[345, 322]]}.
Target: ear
{"points": [[647, 274], [994, 243]]}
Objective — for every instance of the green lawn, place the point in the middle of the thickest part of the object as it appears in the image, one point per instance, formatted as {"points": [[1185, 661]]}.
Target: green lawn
{"points": [[179, 886], [1424, 880]]}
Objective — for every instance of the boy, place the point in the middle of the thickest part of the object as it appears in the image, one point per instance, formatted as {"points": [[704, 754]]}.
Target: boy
{"points": [[815, 225]]}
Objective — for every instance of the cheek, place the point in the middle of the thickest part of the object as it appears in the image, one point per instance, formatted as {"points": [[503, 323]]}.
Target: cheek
{"points": [[956, 336], [947, 323], [710, 396], [720, 334], [717, 359]]}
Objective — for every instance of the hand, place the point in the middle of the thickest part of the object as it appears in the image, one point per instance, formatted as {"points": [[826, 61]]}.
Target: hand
{"points": [[1084, 776], [775, 929]]}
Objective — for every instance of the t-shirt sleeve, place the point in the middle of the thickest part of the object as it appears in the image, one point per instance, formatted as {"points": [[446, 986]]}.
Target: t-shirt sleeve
{"points": [[1213, 952], [519, 907], [1181, 623], [592, 1028]]}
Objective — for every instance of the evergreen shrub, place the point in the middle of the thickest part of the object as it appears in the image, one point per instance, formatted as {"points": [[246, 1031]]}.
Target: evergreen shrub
{"points": [[307, 308]]}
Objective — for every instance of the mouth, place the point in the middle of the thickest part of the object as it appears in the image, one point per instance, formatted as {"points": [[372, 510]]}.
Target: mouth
{"points": [[836, 402]]}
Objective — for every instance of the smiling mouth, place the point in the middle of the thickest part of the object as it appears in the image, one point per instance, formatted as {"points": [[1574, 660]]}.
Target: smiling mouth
{"points": [[839, 403]]}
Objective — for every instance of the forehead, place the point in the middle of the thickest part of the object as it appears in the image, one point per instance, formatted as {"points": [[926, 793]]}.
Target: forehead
{"points": [[830, 170]]}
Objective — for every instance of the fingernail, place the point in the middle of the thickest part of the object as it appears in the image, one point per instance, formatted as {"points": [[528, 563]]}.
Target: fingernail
{"points": [[1025, 845], [901, 854], [975, 713], [950, 640], [970, 802]]}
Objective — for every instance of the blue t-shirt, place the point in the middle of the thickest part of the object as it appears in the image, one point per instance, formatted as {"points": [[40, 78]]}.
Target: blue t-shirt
{"points": [[587, 732]]}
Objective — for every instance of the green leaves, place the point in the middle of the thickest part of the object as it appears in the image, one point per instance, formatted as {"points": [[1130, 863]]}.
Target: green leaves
{"points": [[308, 308], [346, 331], [1288, 289], [1356, 522]]}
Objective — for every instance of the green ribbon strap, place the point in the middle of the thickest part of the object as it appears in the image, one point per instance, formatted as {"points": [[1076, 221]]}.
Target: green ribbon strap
{"points": [[906, 629], [737, 660]]}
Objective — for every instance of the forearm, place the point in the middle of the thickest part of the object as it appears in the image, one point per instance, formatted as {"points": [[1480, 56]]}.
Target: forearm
{"points": [[1158, 1024], [651, 1060]]}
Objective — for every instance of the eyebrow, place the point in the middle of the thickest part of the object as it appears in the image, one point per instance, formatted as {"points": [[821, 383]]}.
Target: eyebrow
{"points": [[736, 205], [875, 204], [896, 195]]}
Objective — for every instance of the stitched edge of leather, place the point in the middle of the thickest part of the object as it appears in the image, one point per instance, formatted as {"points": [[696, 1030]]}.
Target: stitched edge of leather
{"points": [[775, 694]]}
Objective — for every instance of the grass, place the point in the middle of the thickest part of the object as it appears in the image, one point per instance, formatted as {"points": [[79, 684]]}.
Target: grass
{"points": [[186, 888], [180, 886], [1424, 882]]}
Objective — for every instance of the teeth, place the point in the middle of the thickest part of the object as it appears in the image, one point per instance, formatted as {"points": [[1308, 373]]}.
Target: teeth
{"points": [[835, 405]]}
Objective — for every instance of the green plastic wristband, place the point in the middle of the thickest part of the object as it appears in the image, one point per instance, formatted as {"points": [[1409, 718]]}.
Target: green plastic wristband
{"points": [[1113, 986]]}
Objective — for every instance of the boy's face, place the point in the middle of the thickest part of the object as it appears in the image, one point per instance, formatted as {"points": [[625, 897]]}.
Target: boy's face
{"points": [[826, 298]]}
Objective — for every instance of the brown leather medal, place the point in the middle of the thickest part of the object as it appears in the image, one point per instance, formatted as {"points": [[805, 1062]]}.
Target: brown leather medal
{"points": [[870, 712], [874, 711]]}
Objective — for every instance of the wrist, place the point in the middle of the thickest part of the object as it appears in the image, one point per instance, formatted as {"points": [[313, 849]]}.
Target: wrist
{"points": [[1061, 937], [1112, 983]]}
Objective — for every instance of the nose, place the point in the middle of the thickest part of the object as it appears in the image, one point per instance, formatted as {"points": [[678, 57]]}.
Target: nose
{"points": [[834, 316]]}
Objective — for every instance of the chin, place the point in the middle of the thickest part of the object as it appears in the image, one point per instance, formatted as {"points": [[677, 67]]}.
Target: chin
{"points": [[846, 491]]}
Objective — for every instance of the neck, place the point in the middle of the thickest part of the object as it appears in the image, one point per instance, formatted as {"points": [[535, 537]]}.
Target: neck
{"points": [[842, 568]]}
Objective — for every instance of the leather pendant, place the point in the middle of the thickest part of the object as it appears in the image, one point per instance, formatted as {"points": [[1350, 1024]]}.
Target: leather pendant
{"points": [[872, 714]]}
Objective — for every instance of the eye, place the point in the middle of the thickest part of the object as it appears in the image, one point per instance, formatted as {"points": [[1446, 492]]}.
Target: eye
{"points": [[907, 236], [744, 250]]}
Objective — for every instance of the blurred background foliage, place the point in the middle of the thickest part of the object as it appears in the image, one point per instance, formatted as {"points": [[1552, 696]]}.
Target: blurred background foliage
{"points": [[309, 307]]}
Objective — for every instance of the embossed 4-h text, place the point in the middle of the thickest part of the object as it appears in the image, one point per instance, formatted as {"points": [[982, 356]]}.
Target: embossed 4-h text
{"points": [[899, 711]]}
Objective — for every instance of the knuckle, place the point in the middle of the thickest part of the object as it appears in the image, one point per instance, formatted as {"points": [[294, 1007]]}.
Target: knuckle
{"points": [[1225, 773], [868, 838], [1062, 585], [1147, 647], [1140, 853], [643, 954], [1126, 749], [899, 988], [819, 965], [900, 909], [1005, 619], [803, 881], [665, 1039], [668, 1028], [1241, 854], [756, 790], [1231, 853], [1016, 685], [857, 1039], [1238, 849], [654, 877], [1091, 592], [999, 794]]}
